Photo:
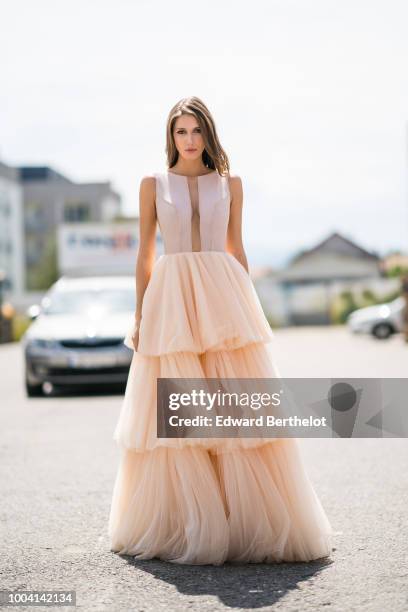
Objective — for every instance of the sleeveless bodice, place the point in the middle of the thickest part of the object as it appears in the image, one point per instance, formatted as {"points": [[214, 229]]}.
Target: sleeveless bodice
{"points": [[175, 211]]}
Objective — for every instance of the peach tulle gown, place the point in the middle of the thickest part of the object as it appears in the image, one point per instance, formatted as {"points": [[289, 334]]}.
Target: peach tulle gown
{"points": [[194, 500]]}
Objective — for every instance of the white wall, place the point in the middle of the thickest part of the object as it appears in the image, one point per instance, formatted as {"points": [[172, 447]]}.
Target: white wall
{"points": [[12, 261]]}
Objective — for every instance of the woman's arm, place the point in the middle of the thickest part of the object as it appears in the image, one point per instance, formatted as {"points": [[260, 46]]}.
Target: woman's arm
{"points": [[234, 233], [147, 239]]}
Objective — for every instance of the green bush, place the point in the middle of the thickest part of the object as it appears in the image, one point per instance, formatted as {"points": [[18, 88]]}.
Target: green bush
{"points": [[20, 324], [346, 305], [346, 302]]}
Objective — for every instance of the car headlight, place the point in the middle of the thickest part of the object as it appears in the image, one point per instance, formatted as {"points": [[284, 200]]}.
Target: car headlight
{"points": [[41, 343]]}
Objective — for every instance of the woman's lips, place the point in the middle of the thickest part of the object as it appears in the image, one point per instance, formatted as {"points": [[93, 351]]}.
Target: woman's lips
{"points": [[191, 150]]}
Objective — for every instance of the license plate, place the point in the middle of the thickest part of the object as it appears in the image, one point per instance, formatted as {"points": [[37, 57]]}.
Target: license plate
{"points": [[92, 360]]}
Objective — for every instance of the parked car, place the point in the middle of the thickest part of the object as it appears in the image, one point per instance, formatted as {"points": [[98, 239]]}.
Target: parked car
{"points": [[381, 320], [78, 332]]}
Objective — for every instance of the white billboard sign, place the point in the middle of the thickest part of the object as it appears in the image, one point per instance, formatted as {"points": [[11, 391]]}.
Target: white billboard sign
{"points": [[97, 246]]}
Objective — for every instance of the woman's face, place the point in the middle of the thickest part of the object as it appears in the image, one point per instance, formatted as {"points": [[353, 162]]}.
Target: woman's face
{"points": [[188, 138]]}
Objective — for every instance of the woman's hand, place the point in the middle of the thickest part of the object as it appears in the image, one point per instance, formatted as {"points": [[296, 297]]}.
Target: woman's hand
{"points": [[135, 335]]}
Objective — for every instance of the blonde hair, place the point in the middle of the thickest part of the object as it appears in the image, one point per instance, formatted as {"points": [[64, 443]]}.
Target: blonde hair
{"points": [[213, 156]]}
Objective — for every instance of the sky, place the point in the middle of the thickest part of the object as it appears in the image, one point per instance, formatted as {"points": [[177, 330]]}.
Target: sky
{"points": [[310, 101]]}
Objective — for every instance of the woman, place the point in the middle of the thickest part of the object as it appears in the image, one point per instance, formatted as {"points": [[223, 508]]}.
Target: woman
{"points": [[194, 500]]}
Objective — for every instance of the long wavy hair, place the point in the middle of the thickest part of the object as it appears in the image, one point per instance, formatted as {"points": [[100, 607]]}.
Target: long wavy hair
{"points": [[213, 156]]}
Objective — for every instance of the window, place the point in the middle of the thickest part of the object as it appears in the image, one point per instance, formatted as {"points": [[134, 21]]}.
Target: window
{"points": [[76, 212]]}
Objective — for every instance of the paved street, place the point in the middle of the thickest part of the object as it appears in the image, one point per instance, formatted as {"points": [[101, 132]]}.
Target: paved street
{"points": [[59, 461]]}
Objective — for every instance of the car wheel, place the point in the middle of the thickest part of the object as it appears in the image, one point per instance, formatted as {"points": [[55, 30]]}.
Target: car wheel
{"points": [[382, 331], [33, 390]]}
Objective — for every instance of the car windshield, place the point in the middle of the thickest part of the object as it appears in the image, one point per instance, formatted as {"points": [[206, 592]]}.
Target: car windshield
{"points": [[95, 302]]}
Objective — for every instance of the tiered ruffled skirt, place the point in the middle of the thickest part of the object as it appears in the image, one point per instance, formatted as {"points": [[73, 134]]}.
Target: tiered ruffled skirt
{"points": [[207, 501]]}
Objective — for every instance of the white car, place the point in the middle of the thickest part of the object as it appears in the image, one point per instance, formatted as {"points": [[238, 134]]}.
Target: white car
{"points": [[78, 332], [381, 320]]}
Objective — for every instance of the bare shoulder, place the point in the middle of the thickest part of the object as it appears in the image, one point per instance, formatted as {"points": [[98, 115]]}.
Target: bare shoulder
{"points": [[148, 182], [234, 180], [148, 187], [235, 184]]}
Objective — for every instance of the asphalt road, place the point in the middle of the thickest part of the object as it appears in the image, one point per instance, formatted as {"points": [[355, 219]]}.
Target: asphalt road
{"points": [[58, 463]]}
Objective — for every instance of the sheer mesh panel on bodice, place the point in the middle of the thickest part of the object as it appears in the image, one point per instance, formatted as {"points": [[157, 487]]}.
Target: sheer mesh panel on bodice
{"points": [[195, 213]]}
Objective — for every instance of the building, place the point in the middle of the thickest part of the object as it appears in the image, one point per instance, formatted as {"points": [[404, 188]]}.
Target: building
{"points": [[12, 257], [335, 257], [394, 263], [302, 292], [51, 199]]}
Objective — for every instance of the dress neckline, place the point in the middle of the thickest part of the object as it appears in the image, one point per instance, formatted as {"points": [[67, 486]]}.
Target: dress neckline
{"points": [[198, 176]]}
